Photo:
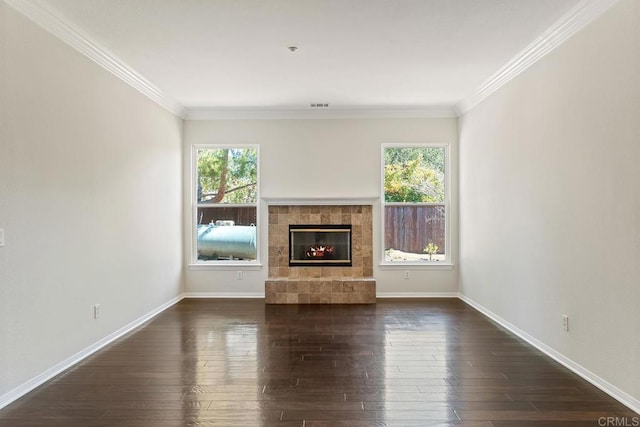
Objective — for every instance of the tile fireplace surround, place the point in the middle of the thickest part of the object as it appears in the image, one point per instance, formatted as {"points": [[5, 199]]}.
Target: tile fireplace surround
{"points": [[320, 285]]}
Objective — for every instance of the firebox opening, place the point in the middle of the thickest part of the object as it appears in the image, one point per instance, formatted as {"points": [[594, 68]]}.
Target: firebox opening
{"points": [[320, 245]]}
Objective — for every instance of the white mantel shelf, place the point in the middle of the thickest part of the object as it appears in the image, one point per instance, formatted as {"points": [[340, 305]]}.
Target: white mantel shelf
{"points": [[317, 201]]}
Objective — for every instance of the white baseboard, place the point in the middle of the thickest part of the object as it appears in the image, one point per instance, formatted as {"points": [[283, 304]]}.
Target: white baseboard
{"points": [[378, 295], [45, 376], [610, 389], [223, 295], [417, 295]]}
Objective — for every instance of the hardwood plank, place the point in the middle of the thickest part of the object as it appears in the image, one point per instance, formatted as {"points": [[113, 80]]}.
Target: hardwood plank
{"points": [[242, 363]]}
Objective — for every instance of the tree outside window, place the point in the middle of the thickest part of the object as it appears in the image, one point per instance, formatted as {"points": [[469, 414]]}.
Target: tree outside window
{"points": [[226, 194]]}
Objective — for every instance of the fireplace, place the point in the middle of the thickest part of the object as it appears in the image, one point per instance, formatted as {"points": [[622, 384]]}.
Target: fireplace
{"points": [[323, 245], [300, 280]]}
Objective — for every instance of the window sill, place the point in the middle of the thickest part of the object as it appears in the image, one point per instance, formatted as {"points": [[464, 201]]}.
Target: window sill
{"points": [[225, 266], [416, 266]]}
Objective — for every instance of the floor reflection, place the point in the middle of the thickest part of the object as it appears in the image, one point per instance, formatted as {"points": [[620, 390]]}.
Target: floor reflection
{"points": [[226, 385], [416, 364], [241, 363]]}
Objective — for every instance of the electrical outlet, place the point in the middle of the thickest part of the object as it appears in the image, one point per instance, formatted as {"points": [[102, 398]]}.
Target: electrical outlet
{"points": [[407, 275], [96, 311], [239, 275], [565, 322]]}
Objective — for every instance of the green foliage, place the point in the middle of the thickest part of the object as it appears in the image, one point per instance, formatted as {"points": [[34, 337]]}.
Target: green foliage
{"points": [[414, 174], [431, 249], [227, 175]]}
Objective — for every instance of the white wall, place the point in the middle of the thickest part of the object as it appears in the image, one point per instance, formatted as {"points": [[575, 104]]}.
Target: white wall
{"points": [[90, 198], [550, 199], [293, 154]]}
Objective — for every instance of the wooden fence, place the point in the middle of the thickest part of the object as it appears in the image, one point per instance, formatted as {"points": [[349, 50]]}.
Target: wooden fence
{"points": [[412, 228], [241, 215]]}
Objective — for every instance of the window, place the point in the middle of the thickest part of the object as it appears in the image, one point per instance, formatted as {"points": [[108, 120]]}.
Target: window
{"points": [[415, 204], [225, 208]]}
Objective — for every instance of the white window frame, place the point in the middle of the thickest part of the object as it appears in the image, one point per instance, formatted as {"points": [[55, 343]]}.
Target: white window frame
{"points": [[233, 264], [446, 263]]}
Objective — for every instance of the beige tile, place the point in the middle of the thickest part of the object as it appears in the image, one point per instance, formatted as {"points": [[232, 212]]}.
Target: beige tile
{"points": [[304, 298], [336, 287], [283, 271], [325, 299], [269, 295], [315, 287], [315, 271], [304, 287], [314, 298], [367, 260], [347, 287], [277, 286], [350, 299], [325, 287]]}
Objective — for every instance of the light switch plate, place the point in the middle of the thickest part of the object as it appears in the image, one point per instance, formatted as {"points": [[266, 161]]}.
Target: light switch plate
{"points": [[1, 236]]}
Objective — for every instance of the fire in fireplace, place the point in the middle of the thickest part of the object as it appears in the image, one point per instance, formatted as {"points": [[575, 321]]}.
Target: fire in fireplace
{"points": [[320, 245]]}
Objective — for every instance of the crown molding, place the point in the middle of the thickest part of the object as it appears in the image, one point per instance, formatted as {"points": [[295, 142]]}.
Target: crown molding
{"points": [[101, 56], [283, 113], [573, 21]]}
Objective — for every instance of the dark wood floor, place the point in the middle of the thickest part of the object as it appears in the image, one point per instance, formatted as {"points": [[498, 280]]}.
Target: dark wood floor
{"points": [[242, 363]]}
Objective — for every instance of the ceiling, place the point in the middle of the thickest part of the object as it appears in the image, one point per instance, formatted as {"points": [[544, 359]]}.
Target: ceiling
{"points": [[351, 54]]}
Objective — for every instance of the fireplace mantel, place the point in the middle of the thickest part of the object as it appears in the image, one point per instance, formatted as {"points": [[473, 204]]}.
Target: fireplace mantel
{"points": [[321, 201]]}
